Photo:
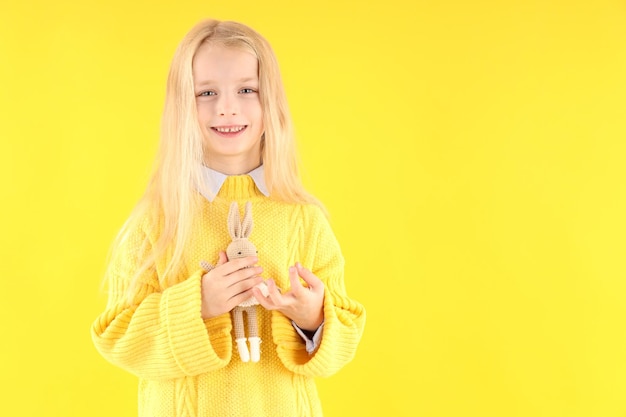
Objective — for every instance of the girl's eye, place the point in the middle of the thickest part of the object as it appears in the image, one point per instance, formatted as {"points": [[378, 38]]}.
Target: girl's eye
{"points": [[206, 93], [247, 91]]}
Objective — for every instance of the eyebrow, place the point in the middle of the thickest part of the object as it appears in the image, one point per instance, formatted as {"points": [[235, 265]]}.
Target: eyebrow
{"points": [[241, 80]]}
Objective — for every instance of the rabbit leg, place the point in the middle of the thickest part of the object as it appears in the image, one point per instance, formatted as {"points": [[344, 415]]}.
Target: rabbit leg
{"points": [[240, 335], [253, 331]]}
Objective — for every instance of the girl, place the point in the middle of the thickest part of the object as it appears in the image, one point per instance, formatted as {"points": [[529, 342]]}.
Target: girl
{"points": [[226, 136]]}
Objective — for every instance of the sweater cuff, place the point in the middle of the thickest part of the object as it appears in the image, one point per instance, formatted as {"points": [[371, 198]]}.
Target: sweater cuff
{"points": [[343, 325], [187, 332]]}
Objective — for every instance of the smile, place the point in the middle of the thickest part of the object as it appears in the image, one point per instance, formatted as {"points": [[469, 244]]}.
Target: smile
{"points": [[229, 129]]}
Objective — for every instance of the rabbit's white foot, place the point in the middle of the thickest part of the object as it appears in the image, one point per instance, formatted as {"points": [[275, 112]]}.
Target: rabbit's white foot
{"points": [[244, 354], [255, 349]]}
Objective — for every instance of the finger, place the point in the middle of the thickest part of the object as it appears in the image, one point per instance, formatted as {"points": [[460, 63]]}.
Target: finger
{"points": [[246, 262], [235, 265], [294, 279], [309, 277], [222, 258], [243, 286], [266, 302], [243, 276], [273, 293], [239, 298]]}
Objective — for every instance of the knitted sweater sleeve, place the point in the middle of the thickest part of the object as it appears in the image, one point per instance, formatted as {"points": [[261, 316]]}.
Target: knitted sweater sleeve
{"points": [[344, 318], [160, 334]]}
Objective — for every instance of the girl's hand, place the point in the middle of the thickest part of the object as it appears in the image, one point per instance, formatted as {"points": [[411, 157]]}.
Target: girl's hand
{"points": [[228, 284], [303, 305]]}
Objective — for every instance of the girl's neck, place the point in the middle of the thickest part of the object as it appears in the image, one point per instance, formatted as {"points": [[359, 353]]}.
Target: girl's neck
{"points": [[232, 167]]}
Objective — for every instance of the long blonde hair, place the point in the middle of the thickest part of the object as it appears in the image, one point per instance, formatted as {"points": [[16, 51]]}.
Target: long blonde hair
{"points": [[174, 183]]}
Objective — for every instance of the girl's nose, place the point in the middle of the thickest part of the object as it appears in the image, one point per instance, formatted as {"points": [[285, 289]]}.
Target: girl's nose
{"points": [[227, 106]]}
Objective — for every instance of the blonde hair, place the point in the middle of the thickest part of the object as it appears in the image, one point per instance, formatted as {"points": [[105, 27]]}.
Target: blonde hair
{"points": [[176, 178]]}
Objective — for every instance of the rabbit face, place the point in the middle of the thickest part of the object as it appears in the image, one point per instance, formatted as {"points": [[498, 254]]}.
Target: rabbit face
{"points": [[240, 248]]}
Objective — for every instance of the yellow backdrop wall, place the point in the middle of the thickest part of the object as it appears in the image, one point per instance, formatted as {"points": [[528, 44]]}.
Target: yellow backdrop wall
{"points": [[471, 154]]}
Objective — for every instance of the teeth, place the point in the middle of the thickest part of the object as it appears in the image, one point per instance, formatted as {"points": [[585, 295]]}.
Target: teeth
{"points": [[230, 129]]}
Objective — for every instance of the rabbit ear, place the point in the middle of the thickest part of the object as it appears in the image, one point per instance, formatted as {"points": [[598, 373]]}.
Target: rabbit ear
{"points": [[234, 224], [246, 225]]}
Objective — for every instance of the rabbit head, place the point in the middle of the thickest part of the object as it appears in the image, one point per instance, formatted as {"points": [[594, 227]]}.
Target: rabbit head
{"points": [[239, 231]]}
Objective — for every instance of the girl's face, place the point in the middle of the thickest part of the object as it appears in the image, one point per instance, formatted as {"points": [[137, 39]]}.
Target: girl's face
{"points": [[226, 84]]}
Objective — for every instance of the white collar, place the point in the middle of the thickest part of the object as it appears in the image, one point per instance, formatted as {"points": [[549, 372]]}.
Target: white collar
{"points": [[214, 181]]}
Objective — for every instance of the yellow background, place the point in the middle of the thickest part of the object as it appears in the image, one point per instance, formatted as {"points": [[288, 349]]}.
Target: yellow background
{"points": [[471, 154]]}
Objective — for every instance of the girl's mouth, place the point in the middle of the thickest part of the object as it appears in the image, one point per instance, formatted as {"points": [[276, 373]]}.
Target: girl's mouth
{"points": [[229, 131]]}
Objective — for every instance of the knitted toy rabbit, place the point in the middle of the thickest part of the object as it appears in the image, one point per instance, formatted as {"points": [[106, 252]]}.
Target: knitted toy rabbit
{"points": [[241, 247]]}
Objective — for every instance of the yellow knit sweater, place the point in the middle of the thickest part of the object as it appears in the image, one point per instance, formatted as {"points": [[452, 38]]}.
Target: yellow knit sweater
{"points": [[186, 365]]}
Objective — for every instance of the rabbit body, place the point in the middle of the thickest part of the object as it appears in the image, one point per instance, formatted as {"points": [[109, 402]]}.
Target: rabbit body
{"points": [[241, 247]]}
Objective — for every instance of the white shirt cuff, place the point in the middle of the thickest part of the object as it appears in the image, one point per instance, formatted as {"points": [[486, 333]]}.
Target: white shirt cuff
{"points": [[311, 344]]}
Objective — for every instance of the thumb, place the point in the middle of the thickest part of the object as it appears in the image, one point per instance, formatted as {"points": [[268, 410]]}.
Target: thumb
{"points": [[223, 258]]}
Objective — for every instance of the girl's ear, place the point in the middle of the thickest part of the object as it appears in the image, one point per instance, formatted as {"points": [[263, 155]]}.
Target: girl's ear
{"points": [[246, 225], [234, 224]]}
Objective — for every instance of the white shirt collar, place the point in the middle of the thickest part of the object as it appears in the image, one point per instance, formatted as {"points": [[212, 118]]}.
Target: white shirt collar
{"points": [[214, 181]]}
